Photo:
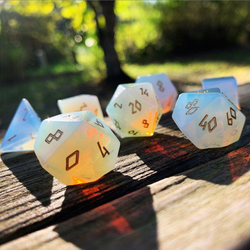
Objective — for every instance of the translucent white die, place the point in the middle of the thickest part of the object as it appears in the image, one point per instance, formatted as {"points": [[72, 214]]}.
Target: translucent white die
{"points": [[80, 103], [22, 131], [227, 85], [208, 118], [164, 89], [76, 147], [135, 110]]}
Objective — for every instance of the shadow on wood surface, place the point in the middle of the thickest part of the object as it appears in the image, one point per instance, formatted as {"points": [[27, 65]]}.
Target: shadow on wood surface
{"points": [[114, 225], [31, 175]]}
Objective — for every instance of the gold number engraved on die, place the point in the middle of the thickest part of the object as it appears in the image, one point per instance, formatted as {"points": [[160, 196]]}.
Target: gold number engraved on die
{"points": [[117, 105], [210, 127], [146, 124], [55, 136], [11, 138], [25, 114], [70, 116], [233, 116], [191, 106], [83, 106], [132, 132], [99, 123], [117, 124], [106, 151], [144, 92], [160, 85], [234, 132], [136, 105], [32, 137], [76, 154]]}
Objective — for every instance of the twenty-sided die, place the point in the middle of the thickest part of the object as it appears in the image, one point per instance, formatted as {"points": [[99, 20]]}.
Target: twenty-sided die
{"points": [[134, 109]]}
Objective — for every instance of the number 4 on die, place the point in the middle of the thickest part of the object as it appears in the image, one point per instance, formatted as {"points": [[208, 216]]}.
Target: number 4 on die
{"points": [[22, 130]]}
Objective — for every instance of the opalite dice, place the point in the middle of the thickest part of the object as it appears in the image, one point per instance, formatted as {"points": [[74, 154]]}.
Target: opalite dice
{"points": [[80, 103], [22, 130], [164, 89], [76, 147], [227, 85], [135, 110], [208, 118]]}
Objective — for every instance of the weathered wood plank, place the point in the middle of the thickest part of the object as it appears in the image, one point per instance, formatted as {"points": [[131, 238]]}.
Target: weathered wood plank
{"points": [[206, 207], [31, 199]]}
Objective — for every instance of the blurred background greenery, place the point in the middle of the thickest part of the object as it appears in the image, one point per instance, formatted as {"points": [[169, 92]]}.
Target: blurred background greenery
{"points": [[55, 49]]}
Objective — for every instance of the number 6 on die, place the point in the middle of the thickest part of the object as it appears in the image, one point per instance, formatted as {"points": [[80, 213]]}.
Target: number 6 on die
{"points": [[211, 121]]}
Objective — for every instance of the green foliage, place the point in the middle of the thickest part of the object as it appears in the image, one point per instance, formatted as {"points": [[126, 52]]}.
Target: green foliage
{"points": [[156, 30], [37, 34]]}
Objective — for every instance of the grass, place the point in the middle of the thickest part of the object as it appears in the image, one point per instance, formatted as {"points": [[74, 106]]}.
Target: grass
{"points": [[43, 90], [194, 69], [42, 95]]}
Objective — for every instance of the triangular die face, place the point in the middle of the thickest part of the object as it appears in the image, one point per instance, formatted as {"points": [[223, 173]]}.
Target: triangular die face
{"points": [[118, 91], [22, 130], [107, 155], [146, 123], [143, 92], [98, 124], [118, 106]]}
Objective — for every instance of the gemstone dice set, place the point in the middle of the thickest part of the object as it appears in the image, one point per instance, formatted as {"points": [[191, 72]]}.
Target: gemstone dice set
{"points": [[78, 147]]}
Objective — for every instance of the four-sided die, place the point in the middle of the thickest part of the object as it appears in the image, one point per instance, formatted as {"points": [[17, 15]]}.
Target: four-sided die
{"points": [[135, 110], [76, 147], [22, 130], [164, 89], [208, 118], [227, 85], [80, 103]]}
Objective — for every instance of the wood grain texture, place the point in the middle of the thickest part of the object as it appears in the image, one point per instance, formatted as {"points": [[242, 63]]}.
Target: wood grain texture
{"points": [[31, 199], [186, 211]]}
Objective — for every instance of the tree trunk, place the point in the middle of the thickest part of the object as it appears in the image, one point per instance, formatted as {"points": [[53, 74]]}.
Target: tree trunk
{"points": [[106, 36]]}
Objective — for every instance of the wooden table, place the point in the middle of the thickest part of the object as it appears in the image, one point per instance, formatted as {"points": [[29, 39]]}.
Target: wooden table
{"points": [[163, 194]]}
